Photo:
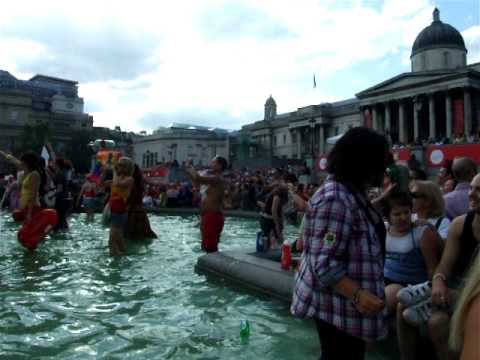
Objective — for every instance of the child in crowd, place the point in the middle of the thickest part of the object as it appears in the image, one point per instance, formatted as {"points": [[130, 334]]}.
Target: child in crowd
{"points": [[411, 250], [120, 191]]}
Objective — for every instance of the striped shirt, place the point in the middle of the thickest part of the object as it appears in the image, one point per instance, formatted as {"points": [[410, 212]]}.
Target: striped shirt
{"points": [[339, 241]]}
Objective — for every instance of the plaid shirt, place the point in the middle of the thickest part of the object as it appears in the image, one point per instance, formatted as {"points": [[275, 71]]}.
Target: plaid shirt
{"points": [[339, 241]]}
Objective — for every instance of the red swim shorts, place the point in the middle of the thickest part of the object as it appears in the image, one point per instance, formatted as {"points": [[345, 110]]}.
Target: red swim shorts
{"points": [[212, 226], [20, 215]]}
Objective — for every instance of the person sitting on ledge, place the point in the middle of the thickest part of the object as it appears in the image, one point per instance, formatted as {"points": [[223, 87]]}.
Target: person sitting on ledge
{"points": [[461, 247], [271, 217]]}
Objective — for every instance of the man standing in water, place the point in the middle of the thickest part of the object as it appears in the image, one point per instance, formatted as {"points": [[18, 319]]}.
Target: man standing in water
{"points": [[211, 206]]}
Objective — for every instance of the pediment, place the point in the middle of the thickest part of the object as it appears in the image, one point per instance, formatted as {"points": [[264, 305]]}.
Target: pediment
{"points": [[402, 82]]}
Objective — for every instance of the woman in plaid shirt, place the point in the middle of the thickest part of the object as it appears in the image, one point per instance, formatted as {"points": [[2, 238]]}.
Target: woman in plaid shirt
{"points": [[340, 281]]}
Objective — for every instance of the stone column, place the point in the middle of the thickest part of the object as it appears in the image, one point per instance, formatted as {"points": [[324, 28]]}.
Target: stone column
{"points": [[448, 113], [432, 120], [321, 139], [467, 110], [375, 123], [388, 119], [401, 122], [299, 143], [416, 125]]}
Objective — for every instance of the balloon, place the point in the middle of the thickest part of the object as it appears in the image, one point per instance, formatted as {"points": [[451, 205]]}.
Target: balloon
{"points": [[34, 231]]}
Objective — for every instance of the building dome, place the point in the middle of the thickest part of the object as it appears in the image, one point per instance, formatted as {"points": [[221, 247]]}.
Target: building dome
{"points": [[438, 35]]}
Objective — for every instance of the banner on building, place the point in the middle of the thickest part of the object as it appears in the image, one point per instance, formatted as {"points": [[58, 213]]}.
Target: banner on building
{"points": [[402, 155], [367, 119], [438, 155], [159, 173], [458, 118]]}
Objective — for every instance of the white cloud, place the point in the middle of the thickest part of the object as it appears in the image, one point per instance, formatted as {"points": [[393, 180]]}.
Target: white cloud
{"points": [[472, 42], [222, 58]]}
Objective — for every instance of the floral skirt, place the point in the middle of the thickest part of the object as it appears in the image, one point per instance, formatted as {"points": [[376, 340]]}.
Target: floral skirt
{"points": [[138, 225]]}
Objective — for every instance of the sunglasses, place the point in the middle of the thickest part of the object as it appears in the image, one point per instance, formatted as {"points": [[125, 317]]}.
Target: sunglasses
{"points": [[416, 195]]}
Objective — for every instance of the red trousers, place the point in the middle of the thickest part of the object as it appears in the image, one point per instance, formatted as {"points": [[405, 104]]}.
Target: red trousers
{"points": [[20, 215], [212, 226]]}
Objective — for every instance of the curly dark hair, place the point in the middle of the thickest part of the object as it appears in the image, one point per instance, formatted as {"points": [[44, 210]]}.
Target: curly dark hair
{"points": [[396, 199], [359, 158], [222, 161], [31, 160]]}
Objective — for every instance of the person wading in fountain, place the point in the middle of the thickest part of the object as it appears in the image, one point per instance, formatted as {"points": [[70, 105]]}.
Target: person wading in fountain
{"points": [[121, 187], [211, 206]]}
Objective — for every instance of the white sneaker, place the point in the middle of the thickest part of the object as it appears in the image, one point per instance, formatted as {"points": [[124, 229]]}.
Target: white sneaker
{"points": [[413, 294], [419, 313]]}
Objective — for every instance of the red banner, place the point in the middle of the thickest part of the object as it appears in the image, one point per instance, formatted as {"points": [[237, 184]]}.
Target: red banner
{"points": [[402, 155], [367, 119], [438, 155], [159, 171], [458, 118]]}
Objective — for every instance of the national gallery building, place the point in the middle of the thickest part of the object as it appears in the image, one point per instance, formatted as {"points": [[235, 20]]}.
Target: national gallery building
{"points": [[438, 101]]}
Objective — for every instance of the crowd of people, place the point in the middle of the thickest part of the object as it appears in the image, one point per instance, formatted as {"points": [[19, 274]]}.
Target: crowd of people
{"points": [[458, 138], [379, 242], [403, 254], [118, 192], [243, 188]]}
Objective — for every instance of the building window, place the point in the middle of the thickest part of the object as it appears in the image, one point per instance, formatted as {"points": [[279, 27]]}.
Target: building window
{"points": [[464, 58], [156, 158], [446, 59], [275, 140], [144, 162], [284, 139], [14, 116]]}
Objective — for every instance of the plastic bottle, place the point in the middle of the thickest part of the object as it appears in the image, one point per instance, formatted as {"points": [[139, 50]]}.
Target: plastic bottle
{"points": [[286, 260], [260, 242], [244, 330]]}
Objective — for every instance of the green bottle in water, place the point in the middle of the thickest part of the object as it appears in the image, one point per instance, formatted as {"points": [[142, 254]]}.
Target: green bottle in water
{"points": [[244, 330]]}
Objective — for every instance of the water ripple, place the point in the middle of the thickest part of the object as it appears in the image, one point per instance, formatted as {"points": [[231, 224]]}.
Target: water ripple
{"points": [[69, 299]]}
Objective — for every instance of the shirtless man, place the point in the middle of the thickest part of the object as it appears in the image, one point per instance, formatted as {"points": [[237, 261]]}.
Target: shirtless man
{"points": [[461, 247], [211, 205]]}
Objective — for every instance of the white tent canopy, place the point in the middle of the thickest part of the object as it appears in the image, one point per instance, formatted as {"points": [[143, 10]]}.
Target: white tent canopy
{"points": [[333, 140]]}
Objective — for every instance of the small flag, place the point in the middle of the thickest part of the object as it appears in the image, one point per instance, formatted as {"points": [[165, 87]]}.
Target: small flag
{"points": [[45, 155], [314, 82]]}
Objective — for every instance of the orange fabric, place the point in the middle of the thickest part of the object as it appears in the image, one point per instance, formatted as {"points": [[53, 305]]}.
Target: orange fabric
{"points": [[118, 198]]}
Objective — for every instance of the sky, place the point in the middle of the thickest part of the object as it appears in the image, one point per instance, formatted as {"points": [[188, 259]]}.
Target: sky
{"points": [[146, 64]]}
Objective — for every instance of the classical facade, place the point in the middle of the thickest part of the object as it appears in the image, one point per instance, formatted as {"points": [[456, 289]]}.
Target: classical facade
{"points": [[180, 142], [41, 100], [437, 101]]}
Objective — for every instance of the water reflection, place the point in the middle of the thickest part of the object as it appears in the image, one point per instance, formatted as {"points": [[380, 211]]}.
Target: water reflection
{"points": [[69, 299]]}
